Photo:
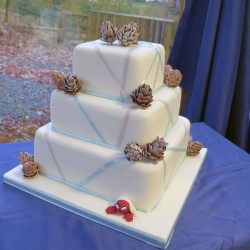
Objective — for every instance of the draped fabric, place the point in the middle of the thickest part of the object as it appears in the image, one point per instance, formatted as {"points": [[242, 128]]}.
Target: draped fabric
{"points": [[212, 50], [215, 216]]}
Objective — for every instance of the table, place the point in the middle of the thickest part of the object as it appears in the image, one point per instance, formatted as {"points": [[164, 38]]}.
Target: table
{"points": [[215, 216]]}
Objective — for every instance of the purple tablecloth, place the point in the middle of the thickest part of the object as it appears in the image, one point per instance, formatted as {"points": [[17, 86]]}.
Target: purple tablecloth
{"points": [[216, 214]]}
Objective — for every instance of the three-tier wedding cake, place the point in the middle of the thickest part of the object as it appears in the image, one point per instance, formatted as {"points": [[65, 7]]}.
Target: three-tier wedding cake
{"points": [[115, 135]]}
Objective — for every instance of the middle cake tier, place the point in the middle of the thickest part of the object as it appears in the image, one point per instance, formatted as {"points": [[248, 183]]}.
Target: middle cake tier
{"points": [[112, 123]]}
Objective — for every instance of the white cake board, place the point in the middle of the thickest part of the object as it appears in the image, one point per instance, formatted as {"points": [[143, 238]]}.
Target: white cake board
{"points": [[155, 228]]}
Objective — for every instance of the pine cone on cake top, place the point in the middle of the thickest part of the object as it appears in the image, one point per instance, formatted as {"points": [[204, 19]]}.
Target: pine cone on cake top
{"points": [[173, 78], [128, 34], [133, 151], [72, 84], [108, 32], [155, 149], [30, 169], [142, 96], [58, 79], [194, 148], [135, 29]]}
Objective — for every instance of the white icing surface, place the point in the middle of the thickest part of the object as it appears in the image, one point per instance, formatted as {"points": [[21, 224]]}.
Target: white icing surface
{"points": [[115, 70], [83, 146], [93, 167], [113, 122]]}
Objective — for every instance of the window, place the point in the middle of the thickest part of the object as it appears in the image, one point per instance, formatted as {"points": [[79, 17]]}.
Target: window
{"points": [[37, 36]]}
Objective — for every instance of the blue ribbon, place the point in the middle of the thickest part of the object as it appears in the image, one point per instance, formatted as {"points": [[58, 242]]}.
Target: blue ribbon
{"points": [[89, 120], [115, 98], [177, 150], [160, 59], [78, 187], [122, 96], [84, 138]]}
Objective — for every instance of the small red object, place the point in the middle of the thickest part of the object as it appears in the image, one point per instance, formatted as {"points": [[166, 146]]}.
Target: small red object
{"points": [[121, 207]]}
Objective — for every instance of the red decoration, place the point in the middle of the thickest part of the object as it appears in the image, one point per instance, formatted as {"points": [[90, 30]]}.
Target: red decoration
{"points": [[121, 207]]}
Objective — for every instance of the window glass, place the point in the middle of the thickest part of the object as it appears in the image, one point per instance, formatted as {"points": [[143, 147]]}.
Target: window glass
{"points": [[38, 36]]}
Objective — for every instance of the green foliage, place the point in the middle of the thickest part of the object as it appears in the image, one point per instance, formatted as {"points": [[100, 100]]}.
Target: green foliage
{"points": [[131, 7], [136, 7], [28, 7]]}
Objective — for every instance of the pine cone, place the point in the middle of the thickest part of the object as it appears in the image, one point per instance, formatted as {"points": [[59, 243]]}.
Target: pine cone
{"points": [[135, 28], [155, 149], [25, 157], [128, 34], [58, 79], [134, 151], [142, 95], [194, 148], [108, 32], [173, 78], [167, 69], [30, 169], [72, 85]]}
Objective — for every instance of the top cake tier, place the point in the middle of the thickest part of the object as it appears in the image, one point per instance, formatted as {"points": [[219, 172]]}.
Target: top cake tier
{"points": [[112, 71]]}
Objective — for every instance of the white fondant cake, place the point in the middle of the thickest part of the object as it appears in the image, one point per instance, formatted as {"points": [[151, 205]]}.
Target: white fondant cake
{"points": [[82, 154], [83, 146]]}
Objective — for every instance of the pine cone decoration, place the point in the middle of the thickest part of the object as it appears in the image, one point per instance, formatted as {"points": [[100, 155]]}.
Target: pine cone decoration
{"points": [[142, 95], [194, 148], [128, 34], [58, 79], [108, 32], [25, 157], [167, 69], [173, 78], [72, 85], [30, 169], [155, 149], [135, 29], [134, 151]]}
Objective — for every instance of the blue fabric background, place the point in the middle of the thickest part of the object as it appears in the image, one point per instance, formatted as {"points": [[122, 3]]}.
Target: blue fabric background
{"points": [[212, 50], [216, 214]]}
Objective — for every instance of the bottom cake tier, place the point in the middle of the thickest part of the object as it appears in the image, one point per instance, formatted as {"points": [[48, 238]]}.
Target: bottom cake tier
{"points": [[155, 228], [105, 172]]}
